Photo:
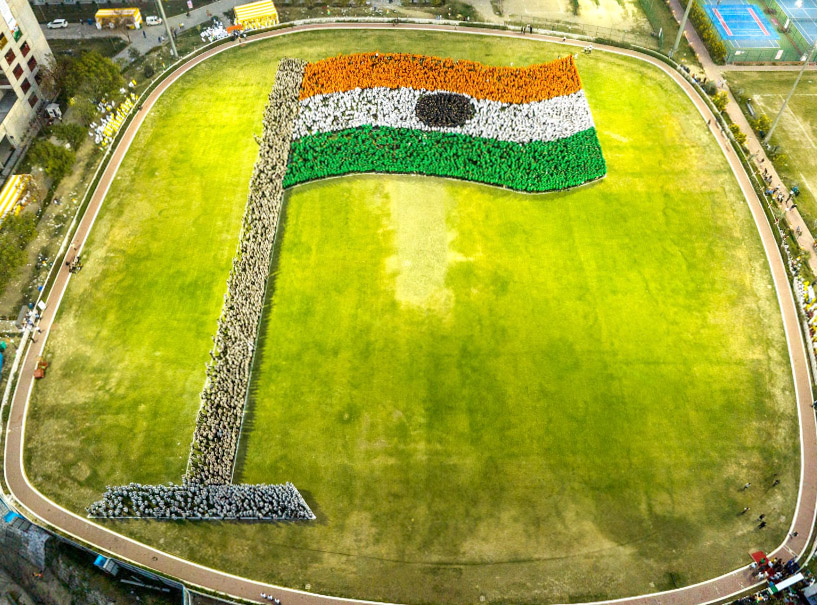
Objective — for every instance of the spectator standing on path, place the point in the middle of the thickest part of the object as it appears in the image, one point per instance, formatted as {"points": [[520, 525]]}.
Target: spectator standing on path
{"points": [[144, 34]]}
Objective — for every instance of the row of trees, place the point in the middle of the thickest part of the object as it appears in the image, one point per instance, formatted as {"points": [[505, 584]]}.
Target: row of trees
{"points": [[710, 38]]}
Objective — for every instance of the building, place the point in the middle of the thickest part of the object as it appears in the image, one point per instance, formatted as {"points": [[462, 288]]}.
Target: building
{"points": [[23, 49]]}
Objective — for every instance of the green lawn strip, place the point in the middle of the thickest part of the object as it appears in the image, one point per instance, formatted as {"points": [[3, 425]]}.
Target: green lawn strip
{"points": [[796, 134], [479, 392]]}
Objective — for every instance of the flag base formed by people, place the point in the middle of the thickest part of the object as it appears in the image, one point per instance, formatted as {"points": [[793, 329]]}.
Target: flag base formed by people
{"points": [[527, 129]]}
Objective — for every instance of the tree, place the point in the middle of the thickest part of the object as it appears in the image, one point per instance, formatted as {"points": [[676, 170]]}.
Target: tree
{"points": [[92, 75], [721, 100], [52, 75], [762, 123], [73, 134], [739, 135], [56, 161]]}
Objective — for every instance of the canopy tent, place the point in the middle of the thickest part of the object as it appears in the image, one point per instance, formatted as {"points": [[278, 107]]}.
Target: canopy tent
{"points": [[256, 15], [790, 581], [113, 17], [13, 191]]}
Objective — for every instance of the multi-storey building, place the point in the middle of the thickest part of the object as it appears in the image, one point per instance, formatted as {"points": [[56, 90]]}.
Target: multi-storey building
{"points": [[23, 49]]}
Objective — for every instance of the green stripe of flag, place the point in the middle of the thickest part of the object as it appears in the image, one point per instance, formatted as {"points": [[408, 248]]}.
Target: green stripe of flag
{"points": [[534, 167]]}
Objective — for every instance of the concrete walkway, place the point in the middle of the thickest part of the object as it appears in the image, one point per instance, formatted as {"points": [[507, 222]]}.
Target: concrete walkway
{"points": [[104, 537], [716, 73]]}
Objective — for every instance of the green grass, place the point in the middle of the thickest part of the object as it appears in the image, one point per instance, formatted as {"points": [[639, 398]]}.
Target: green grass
{"points": [[796, 134], [107, 47], [531, 398]]}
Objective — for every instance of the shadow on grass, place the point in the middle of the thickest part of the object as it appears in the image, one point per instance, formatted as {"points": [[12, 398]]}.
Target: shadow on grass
{"points": [[261, 345]]}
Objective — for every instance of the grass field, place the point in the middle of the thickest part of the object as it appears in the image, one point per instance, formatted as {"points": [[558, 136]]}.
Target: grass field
{"points": [[797, 131], [481, 393]]}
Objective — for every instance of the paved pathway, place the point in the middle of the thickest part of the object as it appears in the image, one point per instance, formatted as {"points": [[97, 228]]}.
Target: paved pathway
{"points": [[715, 73], [148, 38], [104, 539]]}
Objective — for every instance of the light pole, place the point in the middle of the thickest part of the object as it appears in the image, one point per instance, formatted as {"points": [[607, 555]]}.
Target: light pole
{"points": [[173, 50], [791, 93], [681, 29]]}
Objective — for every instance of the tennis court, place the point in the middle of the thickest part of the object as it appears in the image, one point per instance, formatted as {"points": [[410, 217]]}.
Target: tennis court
{"points": [[744, 25], [803, 15]]}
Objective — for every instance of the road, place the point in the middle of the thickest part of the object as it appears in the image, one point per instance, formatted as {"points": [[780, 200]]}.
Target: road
{"points": [[37, 506], [148, 37]]}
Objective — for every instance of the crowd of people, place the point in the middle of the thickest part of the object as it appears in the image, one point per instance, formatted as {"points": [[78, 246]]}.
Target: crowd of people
{"points": [[218, 424], [393, 70], [113, 116], [528, 129], [546, 120], [207, 491], [202, 502], [536, 167]]}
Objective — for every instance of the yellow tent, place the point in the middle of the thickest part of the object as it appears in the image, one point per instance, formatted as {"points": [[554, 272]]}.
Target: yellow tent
{"points": [[256, 15], [12, 191], [130, 17]]}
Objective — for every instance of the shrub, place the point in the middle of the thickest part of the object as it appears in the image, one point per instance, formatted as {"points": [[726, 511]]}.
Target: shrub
{"points": [[720, 100], [739, 135], [710, 38], [55, 160], [761, 123], [73, 134]]}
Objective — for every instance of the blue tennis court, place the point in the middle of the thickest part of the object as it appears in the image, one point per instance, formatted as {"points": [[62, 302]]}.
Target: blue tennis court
{"points": [[743, 24], [803, 14]]}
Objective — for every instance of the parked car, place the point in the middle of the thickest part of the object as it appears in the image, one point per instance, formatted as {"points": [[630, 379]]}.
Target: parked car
{"points": [[57, 24], [153, 20]]}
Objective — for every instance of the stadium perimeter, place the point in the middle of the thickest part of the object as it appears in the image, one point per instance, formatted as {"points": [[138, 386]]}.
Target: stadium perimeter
{"points": [[101, 538]]}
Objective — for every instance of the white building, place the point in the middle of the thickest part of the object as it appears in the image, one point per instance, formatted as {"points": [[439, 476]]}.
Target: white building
{"points": [[23, 49]]}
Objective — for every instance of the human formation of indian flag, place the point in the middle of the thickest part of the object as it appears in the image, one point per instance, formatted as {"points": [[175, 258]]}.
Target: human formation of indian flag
{"points": [[527, 128]]}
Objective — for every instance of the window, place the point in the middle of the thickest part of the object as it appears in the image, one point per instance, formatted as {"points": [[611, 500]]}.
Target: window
{"points": [[32, 63], [18, 71], [3, 41], [38, 77], [25, 86], [33, 100], [25, 49], [10, 56]]}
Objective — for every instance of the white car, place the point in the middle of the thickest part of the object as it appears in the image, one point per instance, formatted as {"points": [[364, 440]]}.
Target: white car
{"points": [[57, 24], [152, 20]]}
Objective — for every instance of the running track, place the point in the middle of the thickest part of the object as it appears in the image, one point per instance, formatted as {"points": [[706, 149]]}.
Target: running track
{"points": [[82, 529]]}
